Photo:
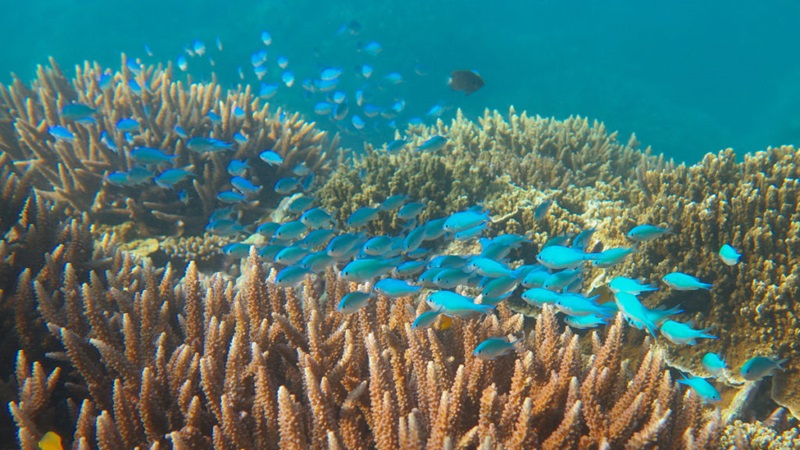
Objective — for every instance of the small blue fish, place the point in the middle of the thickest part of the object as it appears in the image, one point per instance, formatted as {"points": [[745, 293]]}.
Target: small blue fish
{"points": [[361, 270], [586, 322], [645, 233], [237, 250], [703, 388], [127, 125], [542, 209], [393, 202], [283, 62], [729, 255], [290, 230], [536, 277], [581, 241], [286, 185], [561, 280], [323, 108], [499, 287], [237, 168], [316, 218], [270, 157], [238, 113], [198, 47], [214, 117], [106, 139], [343, 244], [239, 138], [409, 268], [77, 112], [629, 285], [317, 238], [539, 296], [288, 78], [470, 233], [377, 246], [268, 229], [394, 288], [396, 145], [456, 305], [171, 177], [362, 216], [557, 257], [426, 320], [462, 220], [267, 91], [713, 363], [371, 48], [413, 239], [61, 133], [224, 227], [300, 204], [578, 305], [448, 278], [433, 144], [266, 38], [182, 63], [290, 255], [230, 197], [611, 257], [353, 302], [488, 268], [330, 73], [291, 276], [207, 145], [409, 211], [148, 155], [366, 70], [358, 122], [635, 312], [181, 132], [494, 347], [393, 78], [759, 367], [317, 262], [683, 282], [245, 186], [682, 334], [118, 179]]}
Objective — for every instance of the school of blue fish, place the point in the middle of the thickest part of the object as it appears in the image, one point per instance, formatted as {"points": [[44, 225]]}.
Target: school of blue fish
{"points": [[409, 263]]}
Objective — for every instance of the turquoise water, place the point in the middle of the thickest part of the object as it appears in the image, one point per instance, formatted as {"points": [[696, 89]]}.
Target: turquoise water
{"points": [[686, 78]]}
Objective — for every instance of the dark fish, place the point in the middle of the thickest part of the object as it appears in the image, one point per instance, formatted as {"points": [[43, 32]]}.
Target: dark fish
{"points": [[465, 80]]}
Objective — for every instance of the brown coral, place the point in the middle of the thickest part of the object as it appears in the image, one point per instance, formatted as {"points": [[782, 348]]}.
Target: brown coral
{"points": [[255, 366], [72, 173]]}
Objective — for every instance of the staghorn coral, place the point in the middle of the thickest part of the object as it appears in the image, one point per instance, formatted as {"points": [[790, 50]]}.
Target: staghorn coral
{"points": [[485, 162], [511, 165], [209, 362], [72, 173]]}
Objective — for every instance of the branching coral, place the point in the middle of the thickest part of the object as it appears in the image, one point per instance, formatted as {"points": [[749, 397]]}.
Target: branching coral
{"points": [[209, 362], [71, 172]]}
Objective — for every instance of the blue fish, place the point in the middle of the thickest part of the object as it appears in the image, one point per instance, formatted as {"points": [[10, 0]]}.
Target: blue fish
{"points": [[239, 138], [361, 270], [237, 168], [316, 218], [61, 133], [488, 268], [237, 249], [683, 282], [462, 220], [542, 209], [343, 244], [353, 302], [377, 246], [171, 177], [127, 125], [393, 288], [245, 186], [557, 257], [629, 285], [448, 278], [682, 334], [611, 257], [456, 305], [148, 155], [230, 197], [77, 112], [323, 108], [578, 305], [635, 312], [207, 145], [181, 132], [561, 280], [214, 117], [286, 185], [396, 145], [267, 91], [729, 255], [270, 157], [290, 230], [316, 238], [494, 347], [645, 233], [426, 319], [433, 144], [224, 227], [362, 216], [586, 322], [759, 367], [317, 261], [470, 233], [409, 211], [291, 276], [703, 388], [290, 255], [238, 113], [300, 205], [713, 363]]}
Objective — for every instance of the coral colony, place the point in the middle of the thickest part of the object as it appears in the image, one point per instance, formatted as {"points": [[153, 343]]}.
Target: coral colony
{"points": [[183, 267]]}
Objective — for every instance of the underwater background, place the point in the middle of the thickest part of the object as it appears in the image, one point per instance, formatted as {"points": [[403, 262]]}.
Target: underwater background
{"points": [[686, 77]]}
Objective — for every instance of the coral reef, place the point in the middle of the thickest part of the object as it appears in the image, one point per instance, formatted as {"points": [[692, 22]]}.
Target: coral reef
{"points": [[512, 165], [208, 362], [73, 172]]}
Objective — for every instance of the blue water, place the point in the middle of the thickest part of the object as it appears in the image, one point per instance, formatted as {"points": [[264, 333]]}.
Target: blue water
{"points": [[687, 78]]}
